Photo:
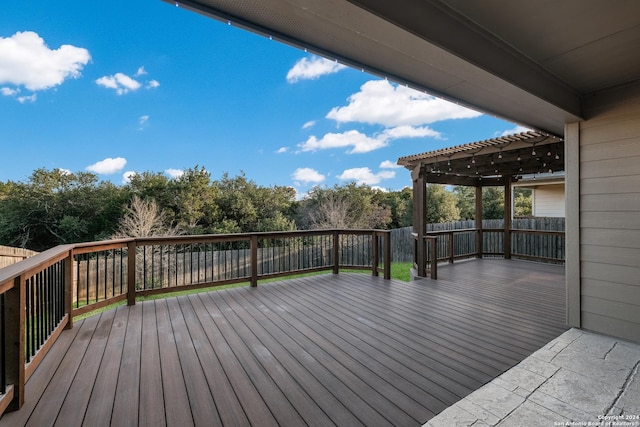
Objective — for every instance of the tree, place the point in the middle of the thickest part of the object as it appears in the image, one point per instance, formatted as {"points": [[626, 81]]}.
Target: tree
{"points": [[401, 205], [143, 218], [55, 207], [522, 202], [348, 206], [247, 207], [465, 201], [492, 202], [194, 201], [441, 205]]}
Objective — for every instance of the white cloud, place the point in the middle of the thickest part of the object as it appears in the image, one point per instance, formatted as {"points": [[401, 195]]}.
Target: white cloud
{"points": [[307, 175], [380, 102], [312, 68], [108, 166], [282, 150], [65, 171], [174, 173], [143, 122], [26, 60], [120, 82], [7, 91], [365, 176], [388, 164], [375, 187], [361, 143], [126, 177], [411, 132], [309, 124], [517, 129], [25, 99]]}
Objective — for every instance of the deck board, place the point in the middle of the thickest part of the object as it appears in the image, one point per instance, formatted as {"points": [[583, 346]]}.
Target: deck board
{"points": [[80, 390], [346, 350], [100, 406], [176, 401], [150, 372]]}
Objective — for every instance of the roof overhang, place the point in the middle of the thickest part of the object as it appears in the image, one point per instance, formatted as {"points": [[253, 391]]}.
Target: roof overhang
{"points": [[527, 62]]}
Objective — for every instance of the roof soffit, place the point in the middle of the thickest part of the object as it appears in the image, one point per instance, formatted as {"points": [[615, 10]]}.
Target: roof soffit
{"points": [[346, 32]]}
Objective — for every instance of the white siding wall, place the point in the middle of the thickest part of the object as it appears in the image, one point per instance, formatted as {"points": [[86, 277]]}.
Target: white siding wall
{"points": [[610, 214], [548, 200]]}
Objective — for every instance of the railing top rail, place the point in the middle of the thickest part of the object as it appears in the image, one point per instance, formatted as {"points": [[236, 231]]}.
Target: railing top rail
{"points": [[36, 262], [457, 230]]}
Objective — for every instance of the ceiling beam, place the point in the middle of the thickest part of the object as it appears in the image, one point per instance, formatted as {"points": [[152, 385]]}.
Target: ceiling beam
{"points": [[437, 23]]}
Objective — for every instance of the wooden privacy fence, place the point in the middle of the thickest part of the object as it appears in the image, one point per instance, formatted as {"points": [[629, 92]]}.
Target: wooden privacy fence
{"points": [[39, 296], [9, 255]]}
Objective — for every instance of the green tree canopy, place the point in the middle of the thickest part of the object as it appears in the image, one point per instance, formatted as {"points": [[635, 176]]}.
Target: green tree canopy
{"points": [[57, 207], [441, 205], [346, 206], [492, 202]]}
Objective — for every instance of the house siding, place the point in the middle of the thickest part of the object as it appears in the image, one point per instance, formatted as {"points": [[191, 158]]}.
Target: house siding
{"points": [[610, 214], [548, 200]]}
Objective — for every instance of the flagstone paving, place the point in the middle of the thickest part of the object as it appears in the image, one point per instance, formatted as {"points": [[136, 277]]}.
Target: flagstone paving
{"points": [[578, 379]]}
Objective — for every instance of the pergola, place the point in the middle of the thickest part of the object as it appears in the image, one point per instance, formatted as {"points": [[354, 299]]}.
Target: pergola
{"points": [[492, 162]]}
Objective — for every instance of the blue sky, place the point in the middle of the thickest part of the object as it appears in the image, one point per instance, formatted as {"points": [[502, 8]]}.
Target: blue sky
{"points": [[119, 87]]}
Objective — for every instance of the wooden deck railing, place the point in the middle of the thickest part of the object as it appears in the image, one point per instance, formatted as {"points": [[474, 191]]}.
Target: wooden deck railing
{"points": [[451, 245], [39, 296]]}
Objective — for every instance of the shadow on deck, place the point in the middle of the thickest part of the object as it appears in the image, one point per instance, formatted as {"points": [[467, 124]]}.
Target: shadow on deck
{"points": [[347, 349]]}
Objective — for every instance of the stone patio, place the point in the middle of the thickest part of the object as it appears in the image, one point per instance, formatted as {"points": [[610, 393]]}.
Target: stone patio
{"points": [[578, 379]]}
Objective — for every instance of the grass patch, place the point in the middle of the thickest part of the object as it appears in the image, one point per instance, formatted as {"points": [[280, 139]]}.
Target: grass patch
{"points": [[399, 271]]}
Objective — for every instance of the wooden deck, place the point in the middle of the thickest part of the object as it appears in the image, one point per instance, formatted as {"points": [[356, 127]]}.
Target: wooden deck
{"points": [[347, 349]]}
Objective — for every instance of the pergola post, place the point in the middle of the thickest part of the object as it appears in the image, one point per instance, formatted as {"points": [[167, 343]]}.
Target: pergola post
{"points": [[507, 217], [419, 221], [478, 219]]}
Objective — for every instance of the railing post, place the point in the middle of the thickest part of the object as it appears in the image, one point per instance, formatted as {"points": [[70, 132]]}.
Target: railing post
{"points": [[507, 219], [254, 260], [478, 221], [420, 255], [451, 247], [433, 256], [376, 255], [336, 251], [15, 309], [68, 288], [131, 272], [387, 255]]}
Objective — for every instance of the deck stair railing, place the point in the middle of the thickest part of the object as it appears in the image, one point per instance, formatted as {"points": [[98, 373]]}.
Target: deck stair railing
{"points": [[39, 296]]}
